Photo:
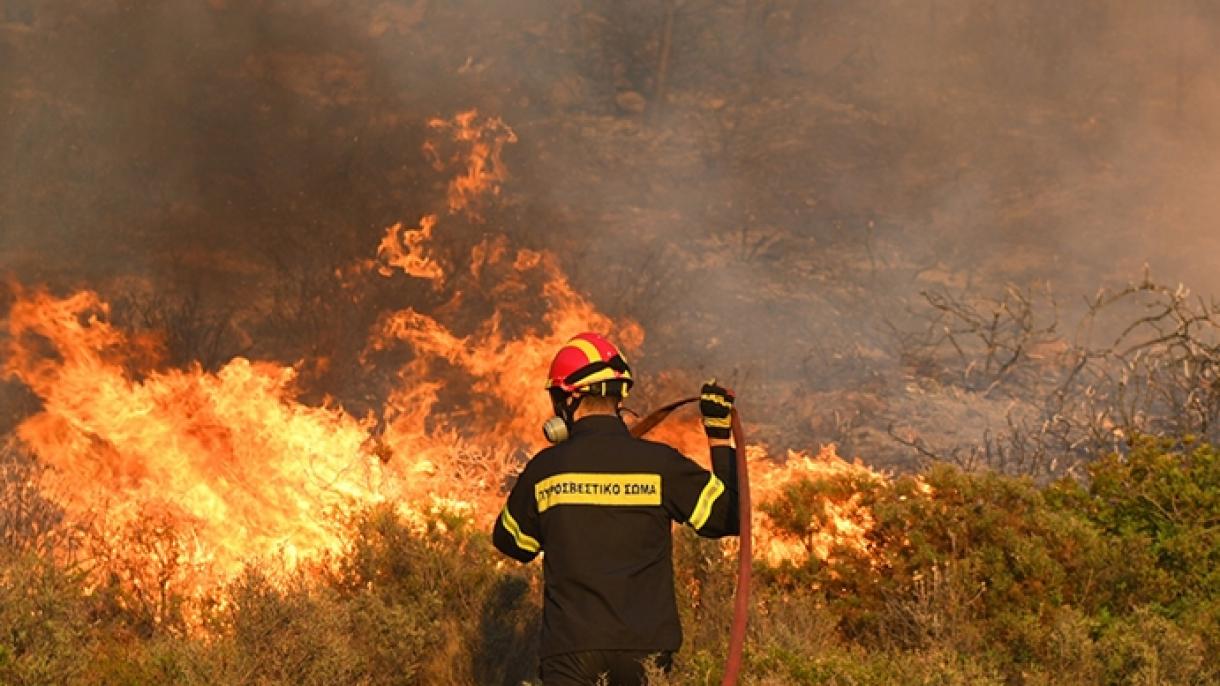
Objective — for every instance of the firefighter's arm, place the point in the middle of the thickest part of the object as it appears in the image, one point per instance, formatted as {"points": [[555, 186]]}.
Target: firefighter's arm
{"points": [[716, 407], [517, 532], [706, 501]]}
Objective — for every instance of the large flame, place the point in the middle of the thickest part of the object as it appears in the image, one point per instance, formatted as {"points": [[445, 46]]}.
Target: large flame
{"points": [[238, 468], [232, 457]]}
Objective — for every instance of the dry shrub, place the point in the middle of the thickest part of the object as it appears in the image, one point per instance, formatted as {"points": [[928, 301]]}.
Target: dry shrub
{"points": [[287, 634], [1149, 650], [28, 521], [1143, 359], [935, 609], [45, 630]]}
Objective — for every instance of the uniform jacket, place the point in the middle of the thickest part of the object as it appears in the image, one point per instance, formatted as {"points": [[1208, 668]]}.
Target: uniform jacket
{"points": [[600, 507]]}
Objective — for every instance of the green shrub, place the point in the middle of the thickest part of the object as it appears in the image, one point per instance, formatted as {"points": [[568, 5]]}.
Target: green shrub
{"points": [[1167, 497]]}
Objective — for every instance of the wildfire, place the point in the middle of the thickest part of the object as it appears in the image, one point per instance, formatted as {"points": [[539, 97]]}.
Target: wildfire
{"points": [[238, 468], [232, 458]]}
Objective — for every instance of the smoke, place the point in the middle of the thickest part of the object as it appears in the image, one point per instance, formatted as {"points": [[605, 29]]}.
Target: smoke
{"points": [[766, 186]]}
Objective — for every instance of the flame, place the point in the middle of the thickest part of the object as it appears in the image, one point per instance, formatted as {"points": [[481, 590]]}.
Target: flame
{"points": [[241, 467], [406, 249], [483, 440], [244, 470], [481, 144], [478, 153], [231, 466], [844, 523]]}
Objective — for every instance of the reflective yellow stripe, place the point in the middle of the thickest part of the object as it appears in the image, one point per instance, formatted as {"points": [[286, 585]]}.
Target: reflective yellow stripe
{"points": [[718, 399], [718, 422], [587, 348], [524, 541], [606, 374], [638, 490], [703, 508]]}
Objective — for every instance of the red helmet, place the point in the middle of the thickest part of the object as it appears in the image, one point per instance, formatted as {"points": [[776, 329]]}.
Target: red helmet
{"points": [[590, 364]]}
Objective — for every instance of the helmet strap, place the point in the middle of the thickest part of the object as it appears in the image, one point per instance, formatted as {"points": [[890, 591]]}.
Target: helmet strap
{"points": [[565, 405]]}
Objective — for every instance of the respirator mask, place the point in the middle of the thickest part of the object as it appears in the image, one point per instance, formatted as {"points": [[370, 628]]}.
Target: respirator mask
{"points": [[557, 429]]}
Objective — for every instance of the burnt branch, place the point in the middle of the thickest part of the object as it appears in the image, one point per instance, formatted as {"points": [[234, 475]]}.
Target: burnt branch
{"points": [[996, 342], [1145, 359], [193, 329]]}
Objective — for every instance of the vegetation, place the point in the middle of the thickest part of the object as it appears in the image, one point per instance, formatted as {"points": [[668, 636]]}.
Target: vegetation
{"points": [[969, 578]]}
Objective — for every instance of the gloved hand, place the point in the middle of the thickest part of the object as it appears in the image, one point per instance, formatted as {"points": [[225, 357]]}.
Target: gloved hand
{"points": [[716, 406]]}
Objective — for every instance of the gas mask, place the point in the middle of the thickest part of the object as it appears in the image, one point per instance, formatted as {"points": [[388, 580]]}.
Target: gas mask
{"points": [[557, 429]]}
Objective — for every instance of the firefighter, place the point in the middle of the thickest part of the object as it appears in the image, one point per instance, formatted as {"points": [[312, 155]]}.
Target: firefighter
{"points": [[600, 504]]}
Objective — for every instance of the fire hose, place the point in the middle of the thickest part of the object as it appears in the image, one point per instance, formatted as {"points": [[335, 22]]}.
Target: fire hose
{"points": [[741, 602]]}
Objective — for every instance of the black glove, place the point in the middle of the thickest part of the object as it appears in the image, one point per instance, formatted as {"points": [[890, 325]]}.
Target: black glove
{"points": [[716, 406]]}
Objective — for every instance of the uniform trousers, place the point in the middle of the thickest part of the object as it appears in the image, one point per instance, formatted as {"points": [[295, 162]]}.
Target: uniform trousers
{"points": [[620, 667]]}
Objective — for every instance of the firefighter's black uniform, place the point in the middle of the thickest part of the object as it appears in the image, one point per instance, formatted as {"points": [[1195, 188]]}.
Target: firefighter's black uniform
{"points": [[601, 505]]}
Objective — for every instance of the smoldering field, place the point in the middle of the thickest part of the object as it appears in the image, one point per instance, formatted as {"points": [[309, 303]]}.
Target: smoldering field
{"points": [[765, 187]]}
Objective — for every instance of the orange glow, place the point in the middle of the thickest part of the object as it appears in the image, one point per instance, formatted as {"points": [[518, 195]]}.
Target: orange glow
{"points": [[479, 159], [406, 249], [845, 523], [500, 375], [245, 471]]}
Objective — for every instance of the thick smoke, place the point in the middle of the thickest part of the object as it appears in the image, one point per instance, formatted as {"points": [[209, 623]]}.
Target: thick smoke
{"points": [[766, 186]]}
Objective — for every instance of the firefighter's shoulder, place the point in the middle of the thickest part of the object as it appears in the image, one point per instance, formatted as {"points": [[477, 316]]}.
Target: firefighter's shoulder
{"points": [[545, 461], [660, 451]]}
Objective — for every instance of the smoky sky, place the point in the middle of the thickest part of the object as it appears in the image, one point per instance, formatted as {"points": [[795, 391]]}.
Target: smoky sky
{"points": [[765, 186]]}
